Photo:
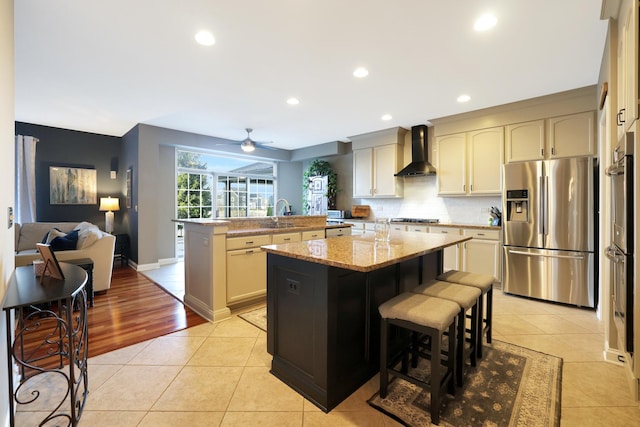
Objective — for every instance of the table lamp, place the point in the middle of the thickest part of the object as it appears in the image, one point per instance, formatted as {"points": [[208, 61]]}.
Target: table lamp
{"points": [[109, 205]]}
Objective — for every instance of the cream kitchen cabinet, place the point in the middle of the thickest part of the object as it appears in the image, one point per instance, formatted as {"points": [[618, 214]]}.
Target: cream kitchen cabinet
{"points": [[338, 231], [373, 172], [627, 57], [566, 136], [313, 234], [482, 253], [246, 268], [470, 163], [286, 238], [451, 259], [572, 135], [418, 228], [524, 141]]}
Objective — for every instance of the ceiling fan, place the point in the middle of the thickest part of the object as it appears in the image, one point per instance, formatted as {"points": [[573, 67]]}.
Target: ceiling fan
{"points": [[248, 145]]}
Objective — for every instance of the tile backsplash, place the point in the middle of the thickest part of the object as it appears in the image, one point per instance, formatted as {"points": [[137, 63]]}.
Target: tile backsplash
{"points": [[422, 201]]}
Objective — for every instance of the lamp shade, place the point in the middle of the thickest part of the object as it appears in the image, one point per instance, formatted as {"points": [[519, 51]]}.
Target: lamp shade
{"points": [[109, 204]]}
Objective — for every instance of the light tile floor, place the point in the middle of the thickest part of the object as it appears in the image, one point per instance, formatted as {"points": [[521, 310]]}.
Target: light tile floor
{"points": [[218, 375]]}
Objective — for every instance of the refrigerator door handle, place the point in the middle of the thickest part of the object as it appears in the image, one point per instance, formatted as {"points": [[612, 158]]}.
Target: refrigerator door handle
{"points": [[545, 219], [532, 254], [541, 207]]}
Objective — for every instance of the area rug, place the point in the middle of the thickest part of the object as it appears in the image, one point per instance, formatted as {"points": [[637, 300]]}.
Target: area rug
{"points": [[510, 386], [257, 317]]}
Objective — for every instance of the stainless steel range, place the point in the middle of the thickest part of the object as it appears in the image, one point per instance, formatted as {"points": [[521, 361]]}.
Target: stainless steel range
{"points": [[416, 220], [620, 252]]}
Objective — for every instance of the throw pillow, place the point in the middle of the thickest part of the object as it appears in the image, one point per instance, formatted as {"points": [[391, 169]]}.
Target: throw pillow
{"points": [[88, 234], [51, 234], [67, 242]]}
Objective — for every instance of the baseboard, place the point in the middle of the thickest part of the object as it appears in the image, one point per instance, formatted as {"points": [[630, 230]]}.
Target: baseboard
{"points": [[146, 267], [167, 261]]}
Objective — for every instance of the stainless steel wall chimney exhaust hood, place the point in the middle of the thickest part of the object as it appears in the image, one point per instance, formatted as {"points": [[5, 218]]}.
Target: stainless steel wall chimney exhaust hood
{"points": [[419, 165]]}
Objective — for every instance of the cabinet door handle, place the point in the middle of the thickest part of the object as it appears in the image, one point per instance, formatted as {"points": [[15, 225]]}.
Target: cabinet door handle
{"points": [[471, 187], [248, 243], [249, 251], [619, 117], [445, 232], [553, 151], [480, 234], [286, 238], [542, 152]]}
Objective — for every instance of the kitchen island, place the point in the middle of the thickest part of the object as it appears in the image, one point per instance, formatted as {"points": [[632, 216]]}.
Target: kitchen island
{"points": [[323, 325], [216, 278]]}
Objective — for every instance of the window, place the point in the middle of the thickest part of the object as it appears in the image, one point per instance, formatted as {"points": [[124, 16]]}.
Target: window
{"points": [[242, 188]]}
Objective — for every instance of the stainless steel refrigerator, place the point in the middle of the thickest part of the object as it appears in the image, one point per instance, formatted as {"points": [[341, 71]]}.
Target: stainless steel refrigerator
{"points": [[548, 225]]}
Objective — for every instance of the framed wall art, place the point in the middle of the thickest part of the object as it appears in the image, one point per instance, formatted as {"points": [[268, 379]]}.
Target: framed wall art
{"points": [[72, 186], [129, 178]]}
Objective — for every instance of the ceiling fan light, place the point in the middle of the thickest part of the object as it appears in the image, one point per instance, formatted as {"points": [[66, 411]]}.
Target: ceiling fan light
{"points": [[248, 146]]}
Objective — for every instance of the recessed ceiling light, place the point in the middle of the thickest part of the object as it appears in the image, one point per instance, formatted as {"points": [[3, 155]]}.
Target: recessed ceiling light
{"points": [[386, 117], [463, 98], [361, 72], [485, 22], [205, 38], [293, 101]]}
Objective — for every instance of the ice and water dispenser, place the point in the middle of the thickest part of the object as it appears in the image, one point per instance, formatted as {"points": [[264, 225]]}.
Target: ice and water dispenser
{"points": [[518, 205]]}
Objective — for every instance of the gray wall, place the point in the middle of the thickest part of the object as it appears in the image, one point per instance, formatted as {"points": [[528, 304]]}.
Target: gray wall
{"points": [[129, 160], [289, 184], [154, 185]]}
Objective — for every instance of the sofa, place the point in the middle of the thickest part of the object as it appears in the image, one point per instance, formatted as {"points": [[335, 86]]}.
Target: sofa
{"points": [[92, 243]]}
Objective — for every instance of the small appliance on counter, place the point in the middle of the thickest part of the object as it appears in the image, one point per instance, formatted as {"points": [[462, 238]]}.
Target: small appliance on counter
{"points": [[337, 216], [360, 211]]}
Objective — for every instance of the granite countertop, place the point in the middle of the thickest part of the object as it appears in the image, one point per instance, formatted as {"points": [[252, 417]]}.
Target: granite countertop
{"points": [[271, 230], [439, 224], [362, 252]]}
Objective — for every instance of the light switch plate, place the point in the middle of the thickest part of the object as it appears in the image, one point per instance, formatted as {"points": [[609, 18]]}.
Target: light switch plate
{"points": [[10, 217]]}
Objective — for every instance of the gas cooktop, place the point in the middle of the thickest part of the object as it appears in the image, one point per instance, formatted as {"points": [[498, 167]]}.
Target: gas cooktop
{"points": [[418, 220]]}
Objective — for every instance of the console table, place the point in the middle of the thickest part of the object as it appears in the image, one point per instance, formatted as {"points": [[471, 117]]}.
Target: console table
{"points": [[53, 373]]}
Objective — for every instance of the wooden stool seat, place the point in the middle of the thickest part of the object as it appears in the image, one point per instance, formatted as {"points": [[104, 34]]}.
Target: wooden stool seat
{"points": [[467, 298], [484, 282], [427, 316]]}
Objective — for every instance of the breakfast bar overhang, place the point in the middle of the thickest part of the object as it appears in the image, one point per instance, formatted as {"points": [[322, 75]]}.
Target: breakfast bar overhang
{"points": [[323, 325]]}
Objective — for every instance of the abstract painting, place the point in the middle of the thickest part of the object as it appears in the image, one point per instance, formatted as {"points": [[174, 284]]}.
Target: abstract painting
{"points": [[72, 186]]}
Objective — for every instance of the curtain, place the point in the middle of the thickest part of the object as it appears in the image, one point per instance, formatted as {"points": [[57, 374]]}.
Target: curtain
{"points": [[25, 179]]}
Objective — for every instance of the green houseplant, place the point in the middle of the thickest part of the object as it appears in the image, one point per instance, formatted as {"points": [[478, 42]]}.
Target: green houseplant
{"points": [[320, 168]]}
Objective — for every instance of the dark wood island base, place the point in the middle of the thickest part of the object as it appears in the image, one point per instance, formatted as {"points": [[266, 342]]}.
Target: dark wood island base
{"points": [[323, 321]]}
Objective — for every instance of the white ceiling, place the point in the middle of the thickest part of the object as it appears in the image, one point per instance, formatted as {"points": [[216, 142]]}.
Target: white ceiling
{"points": [[103, 66]]}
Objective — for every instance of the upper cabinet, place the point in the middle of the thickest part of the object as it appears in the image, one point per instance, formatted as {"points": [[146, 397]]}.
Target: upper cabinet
{"points": [[572, 135], [525, 141], [377, 157], [470, 163], [566, 136], [627, 56]]}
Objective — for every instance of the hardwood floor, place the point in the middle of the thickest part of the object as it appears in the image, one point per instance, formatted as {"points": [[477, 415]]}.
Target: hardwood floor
{"points": [[133, 310]]}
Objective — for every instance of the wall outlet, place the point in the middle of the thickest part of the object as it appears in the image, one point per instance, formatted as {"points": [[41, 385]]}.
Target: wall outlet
{"points": [[293, 286]]}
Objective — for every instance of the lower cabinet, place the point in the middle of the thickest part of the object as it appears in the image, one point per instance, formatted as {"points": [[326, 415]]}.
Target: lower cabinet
{"points": [[478, 255], [335, 232], [451, 253], [313, 234], [246, 274], [482, 253]]}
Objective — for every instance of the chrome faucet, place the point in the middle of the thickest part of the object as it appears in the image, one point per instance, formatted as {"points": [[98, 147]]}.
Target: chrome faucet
{"points": [[287, 208]]}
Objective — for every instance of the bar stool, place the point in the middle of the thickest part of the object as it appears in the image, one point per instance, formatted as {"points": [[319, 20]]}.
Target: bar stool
{"points": [[467, 298], [431, 317], [484, 282]]}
